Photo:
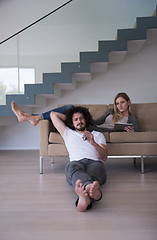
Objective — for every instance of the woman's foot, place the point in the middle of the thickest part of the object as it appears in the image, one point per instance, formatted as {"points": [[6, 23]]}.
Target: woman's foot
{"points": [[94, 191], [84, 199], [23, 117]]}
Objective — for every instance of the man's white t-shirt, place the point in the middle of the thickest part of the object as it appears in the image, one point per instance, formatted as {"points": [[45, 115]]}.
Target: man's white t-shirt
{"points": [[78, 148]]}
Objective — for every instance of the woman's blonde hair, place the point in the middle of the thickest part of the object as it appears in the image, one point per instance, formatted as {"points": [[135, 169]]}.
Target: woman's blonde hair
{"points": [[117, 114]]}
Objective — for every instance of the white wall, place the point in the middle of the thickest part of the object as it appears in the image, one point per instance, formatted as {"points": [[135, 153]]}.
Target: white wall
{"points": [[15, 15], [137, 76]]}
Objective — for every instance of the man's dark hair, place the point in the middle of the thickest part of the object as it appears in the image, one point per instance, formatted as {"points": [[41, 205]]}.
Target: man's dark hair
{"points": [[75, 109]]}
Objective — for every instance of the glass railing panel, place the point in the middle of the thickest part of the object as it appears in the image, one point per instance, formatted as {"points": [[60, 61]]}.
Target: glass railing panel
{"points": [[12, 76], [8, 69], [26, 76], [61, 36], [73, 29], [138, 8]]}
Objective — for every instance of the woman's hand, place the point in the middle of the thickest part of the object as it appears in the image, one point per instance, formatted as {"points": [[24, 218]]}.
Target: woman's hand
{"points": [[129, 129]]}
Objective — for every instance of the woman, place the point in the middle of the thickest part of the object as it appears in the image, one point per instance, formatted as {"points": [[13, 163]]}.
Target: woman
{"points": [[120, 114]]}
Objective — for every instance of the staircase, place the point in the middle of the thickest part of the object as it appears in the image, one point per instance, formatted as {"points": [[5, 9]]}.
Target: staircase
{"points": [[127, 41]]}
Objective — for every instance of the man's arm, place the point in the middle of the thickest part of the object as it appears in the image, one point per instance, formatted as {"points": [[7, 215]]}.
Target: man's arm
{"points": [[101, 150], [58, 121]]}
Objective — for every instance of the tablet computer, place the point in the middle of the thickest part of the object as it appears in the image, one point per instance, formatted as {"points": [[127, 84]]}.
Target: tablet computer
{"points": [[121, 126]]}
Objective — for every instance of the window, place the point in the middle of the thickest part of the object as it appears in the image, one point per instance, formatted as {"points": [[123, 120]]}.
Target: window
{"points": [[12, 81]]}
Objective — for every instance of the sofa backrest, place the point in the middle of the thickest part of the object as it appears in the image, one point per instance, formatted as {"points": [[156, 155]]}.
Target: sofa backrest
{"points": [[147, 116], [97, 110], [145, 112]]}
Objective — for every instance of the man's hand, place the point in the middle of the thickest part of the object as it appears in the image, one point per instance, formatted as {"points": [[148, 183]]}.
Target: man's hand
{"points": [[100, 148], [89, 137]]}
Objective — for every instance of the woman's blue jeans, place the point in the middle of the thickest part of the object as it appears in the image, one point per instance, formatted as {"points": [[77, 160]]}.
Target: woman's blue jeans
{"points": [[46, 115]]}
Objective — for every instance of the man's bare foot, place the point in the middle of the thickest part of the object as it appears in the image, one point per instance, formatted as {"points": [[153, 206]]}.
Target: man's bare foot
{"points": [[84, 199], [94, 191], [23, 116]]}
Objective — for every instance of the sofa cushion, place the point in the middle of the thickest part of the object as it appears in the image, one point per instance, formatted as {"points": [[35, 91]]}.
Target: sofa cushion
{"points": [[57, 150], [133, 137], [55, 138], [132, 149], [107, 137]]}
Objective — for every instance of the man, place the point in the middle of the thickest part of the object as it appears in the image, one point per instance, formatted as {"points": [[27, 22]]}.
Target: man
{"points": [[85, 171]]}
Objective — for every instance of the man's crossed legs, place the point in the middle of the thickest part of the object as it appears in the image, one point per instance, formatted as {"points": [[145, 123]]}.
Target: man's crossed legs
{"points": [[86, 176]]}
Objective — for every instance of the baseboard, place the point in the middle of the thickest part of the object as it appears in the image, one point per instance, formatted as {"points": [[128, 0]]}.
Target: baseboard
{"points": [[7, 149]]}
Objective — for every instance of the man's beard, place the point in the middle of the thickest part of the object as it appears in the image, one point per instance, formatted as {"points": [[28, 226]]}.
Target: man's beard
{"points": [[81, 128]]}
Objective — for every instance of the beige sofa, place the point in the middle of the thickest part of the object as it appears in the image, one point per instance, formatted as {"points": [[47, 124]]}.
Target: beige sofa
{"points": [[119, 144]]}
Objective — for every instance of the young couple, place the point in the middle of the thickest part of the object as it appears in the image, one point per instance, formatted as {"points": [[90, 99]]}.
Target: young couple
{"points": [[87, 149]]}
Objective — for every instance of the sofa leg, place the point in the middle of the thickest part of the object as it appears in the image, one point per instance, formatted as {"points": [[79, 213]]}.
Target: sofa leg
{"points": [[41, 165], [52, 160], [142, 164]]}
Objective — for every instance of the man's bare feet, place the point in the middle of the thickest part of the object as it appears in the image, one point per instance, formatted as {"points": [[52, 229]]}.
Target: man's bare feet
{"points": [[23, 116], [94, 191], [84, 199]]}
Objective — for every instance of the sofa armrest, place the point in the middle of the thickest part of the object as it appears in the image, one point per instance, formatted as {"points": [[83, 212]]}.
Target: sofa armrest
{"points": [[45, 127]]}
